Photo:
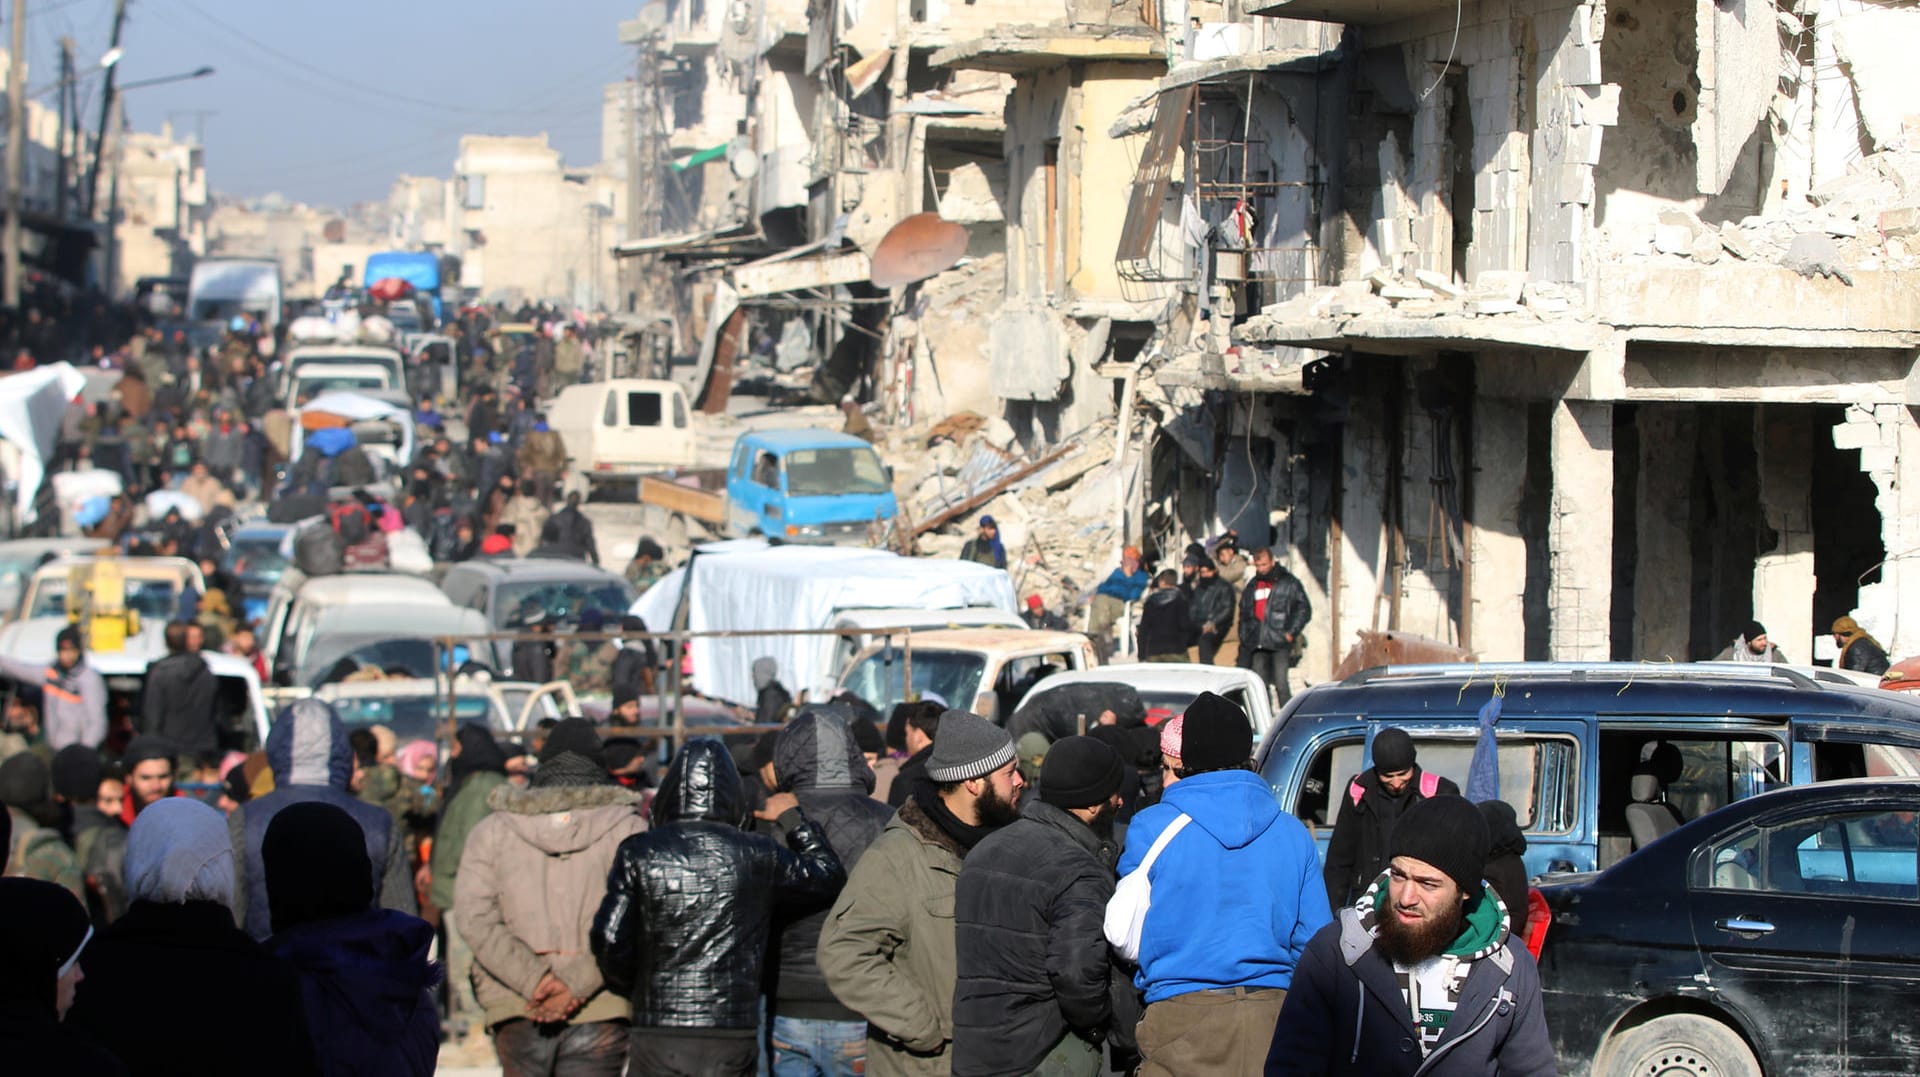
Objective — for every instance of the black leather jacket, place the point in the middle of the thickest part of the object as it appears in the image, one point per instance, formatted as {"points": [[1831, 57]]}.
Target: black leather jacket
{"points": [[1288, 611], [683, 929], [1213, 602]]}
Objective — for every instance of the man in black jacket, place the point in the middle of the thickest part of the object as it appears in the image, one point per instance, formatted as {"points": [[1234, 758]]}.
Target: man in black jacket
{"points": [[1375, 800], [570, 530], [1211, 608], [1423, 975], [1273, 610], [918, 721], [817, 759], [1034, 977], [1165, 629], [177, 701], [683, 928]]}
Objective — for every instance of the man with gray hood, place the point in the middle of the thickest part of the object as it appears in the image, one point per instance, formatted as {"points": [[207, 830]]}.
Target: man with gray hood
{"points": [[312, 761], [771, 698], [819, 761]]}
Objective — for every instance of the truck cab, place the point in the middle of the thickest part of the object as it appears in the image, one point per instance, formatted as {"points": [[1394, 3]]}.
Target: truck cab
{"points": [[813, 486], [988, 671], [615, 430]]}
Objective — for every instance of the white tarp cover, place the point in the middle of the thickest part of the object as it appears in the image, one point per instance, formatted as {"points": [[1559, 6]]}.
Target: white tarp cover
{"points": [[747, 584], [31, 407], [353, 406]]}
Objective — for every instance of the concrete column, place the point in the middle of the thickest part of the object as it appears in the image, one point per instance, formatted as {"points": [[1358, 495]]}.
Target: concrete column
{"points": [[1580, 537], [1363, 511], [1892, 460], [1499, 553], [1663, 553], [1783, 578]]}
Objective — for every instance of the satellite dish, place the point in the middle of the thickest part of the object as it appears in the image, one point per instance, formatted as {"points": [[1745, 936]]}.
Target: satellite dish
{"points": [[919, 247], [742, 158]]}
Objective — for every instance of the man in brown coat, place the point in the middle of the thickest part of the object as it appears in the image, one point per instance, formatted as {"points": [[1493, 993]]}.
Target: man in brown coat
{"points": [[531, 878]]}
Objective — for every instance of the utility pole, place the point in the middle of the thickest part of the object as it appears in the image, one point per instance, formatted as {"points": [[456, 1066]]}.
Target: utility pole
{"points": [[16, 149], [106, 109], [68, 121]]}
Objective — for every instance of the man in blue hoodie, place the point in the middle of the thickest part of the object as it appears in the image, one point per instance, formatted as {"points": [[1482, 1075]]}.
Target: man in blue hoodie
{"points": [[312, 761], [1237, 894]]}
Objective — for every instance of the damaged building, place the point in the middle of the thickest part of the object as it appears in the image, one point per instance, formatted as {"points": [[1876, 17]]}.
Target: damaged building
{"points": [[1608, 341], [1544, 329]]}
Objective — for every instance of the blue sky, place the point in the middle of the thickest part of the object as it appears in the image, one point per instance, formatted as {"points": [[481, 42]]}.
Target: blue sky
{"points": [[327, 103]]}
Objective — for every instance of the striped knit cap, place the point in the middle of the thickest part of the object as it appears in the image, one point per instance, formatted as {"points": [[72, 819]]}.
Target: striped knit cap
{"points": [[967, 746]]}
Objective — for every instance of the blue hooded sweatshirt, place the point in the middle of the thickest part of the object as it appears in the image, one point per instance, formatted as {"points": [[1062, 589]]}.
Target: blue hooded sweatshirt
{"points": [[1236, 895], [311, 760]]}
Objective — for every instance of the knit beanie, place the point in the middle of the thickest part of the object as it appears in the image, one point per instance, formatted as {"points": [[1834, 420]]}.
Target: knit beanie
{"points": [[314, 857], [76, 773], [1392, 751], [1080, 772], [24, 783], [141, 749], [1216, 735], [967, 746], [1447, 832], [573, 755]]}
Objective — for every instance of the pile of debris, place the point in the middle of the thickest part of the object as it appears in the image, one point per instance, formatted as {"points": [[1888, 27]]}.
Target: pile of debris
{"points": [[1867, 220], [1054, 505], [1419, 294]]}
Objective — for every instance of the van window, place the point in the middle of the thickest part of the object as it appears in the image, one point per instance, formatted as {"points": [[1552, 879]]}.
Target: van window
{"points": [[610, 415], [1538, 775], [679, 412], [643, 409]]}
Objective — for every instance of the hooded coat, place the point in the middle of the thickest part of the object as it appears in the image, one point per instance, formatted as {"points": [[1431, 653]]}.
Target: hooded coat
{"points": [[311, 760], [818, 761], [177, 704], [479, 769], [531, 878], [683, 929], [73, 703], [1236, 894], [1347, 1015]]}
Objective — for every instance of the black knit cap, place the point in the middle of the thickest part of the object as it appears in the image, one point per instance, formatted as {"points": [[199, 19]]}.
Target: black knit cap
{"points": [[77, 771], [25, 783], [1080, 772], [1215, 735], [574, 735], [1447, 832], [1392, 751]]}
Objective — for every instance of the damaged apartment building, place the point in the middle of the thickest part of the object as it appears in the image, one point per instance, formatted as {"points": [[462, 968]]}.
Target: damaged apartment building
{"points": [[1545, 329], [1574, 331]]}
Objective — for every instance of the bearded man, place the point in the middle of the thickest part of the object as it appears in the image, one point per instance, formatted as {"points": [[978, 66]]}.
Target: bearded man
{"points": [[1422, 973]]}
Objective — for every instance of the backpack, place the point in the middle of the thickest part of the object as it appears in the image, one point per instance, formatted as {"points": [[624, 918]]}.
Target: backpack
{"points": [[318, 551], [1429, 786], [350, 521]]}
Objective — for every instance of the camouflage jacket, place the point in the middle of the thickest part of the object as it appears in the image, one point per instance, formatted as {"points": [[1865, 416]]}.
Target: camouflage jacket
{"points": [[39, 853], [590, 668]]}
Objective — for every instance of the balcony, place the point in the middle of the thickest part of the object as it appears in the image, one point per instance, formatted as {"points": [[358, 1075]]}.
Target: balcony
{"points": [[1017, 50], [1350, 12]]}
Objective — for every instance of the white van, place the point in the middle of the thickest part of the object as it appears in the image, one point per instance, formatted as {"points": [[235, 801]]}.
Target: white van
{"points": [[297, 603], [618, 430], [221, 288]]}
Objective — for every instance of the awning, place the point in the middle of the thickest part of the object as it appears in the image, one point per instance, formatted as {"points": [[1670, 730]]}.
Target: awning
{"points": [[680, 240], [1152, 178], [695, 160]]}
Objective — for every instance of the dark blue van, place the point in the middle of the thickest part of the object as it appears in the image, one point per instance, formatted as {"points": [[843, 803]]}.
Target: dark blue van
{"points": [[1572, 737]]}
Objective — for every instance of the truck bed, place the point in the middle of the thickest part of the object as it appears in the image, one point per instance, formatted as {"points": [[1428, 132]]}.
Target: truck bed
{"points": [[696, 494]]}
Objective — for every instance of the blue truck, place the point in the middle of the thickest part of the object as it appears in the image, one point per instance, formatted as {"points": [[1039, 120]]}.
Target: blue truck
{"points": [[811, 486], [418, 268]]}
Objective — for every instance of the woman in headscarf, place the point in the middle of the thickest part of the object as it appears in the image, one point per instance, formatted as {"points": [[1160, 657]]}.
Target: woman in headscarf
{"points": [[478, 768], [236, 1005], [364, 975], [43, 928], [1858, 650]]}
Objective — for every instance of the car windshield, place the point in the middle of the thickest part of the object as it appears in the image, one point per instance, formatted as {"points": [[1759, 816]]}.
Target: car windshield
{"points": [[410, 717], [255, 560], [315, 384], [151, 599], [562, 600], [335, 659], [813, 472], [953, 675]]}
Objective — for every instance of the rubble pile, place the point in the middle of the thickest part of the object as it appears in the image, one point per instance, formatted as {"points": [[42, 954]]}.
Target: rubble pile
{"points": [[1420, 294], [1054, 504], [1867, 220]]}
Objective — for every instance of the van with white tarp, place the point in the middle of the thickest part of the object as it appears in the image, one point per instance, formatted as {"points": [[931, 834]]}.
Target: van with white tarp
{"points": [[384, 430], [748, 584]]}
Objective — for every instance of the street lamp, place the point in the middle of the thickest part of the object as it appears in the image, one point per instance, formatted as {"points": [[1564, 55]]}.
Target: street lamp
{"points": [[196, 73]]}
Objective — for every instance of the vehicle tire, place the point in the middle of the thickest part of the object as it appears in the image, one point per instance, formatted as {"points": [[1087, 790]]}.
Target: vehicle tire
{"points": [[1677, 1045]]}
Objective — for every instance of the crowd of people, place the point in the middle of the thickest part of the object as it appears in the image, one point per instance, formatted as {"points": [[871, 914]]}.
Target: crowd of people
{"points": [[833, 898]]}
